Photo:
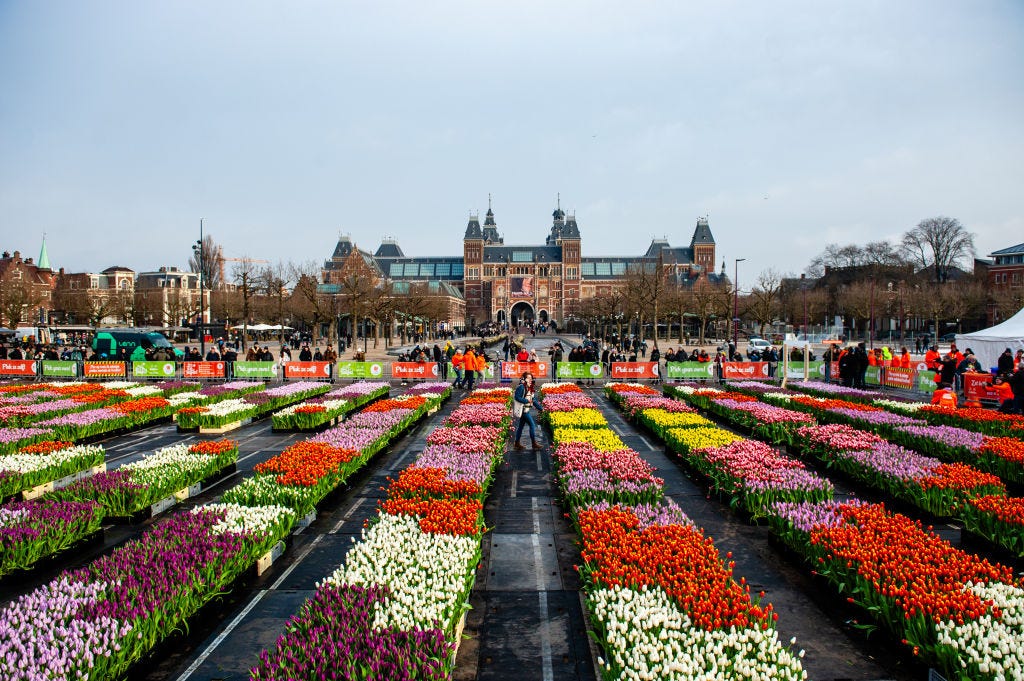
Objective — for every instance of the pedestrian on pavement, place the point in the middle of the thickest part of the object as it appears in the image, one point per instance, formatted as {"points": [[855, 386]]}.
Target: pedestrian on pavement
{"points": [[523, 399]]}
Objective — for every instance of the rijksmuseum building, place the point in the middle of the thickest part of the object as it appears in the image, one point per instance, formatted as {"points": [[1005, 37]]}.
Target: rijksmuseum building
{"points": [[507, 283]]}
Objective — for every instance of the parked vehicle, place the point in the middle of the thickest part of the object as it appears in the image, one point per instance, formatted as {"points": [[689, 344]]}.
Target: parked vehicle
{"points": [[135, 343], [757, 344]]}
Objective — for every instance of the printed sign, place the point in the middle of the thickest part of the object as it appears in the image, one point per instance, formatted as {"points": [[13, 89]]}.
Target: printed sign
{"points": [[815, 369], [744, 370], [976, 388], [690, 370], [925, 381], [253, 369], [520, 287], [360, 369], [516, 369], [634, 370], [203, 369], [898, 377], [53, 367], [873, 376], [579, 370], [415, 370], [17, 367], [153, 369], [103, 369], [307, 370]]}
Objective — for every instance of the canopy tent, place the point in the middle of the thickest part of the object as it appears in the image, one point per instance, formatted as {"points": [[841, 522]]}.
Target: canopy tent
{"points": [[260, 327], [989, 343]]}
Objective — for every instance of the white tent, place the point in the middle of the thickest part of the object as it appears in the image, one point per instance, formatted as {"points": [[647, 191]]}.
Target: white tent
{"points": [[989, 343]]}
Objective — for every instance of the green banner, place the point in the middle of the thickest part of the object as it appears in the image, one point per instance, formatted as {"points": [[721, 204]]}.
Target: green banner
{"points": [[690, 370], [925, 382], [253, 369], [153, 369], [579, 370], [53, 367], [815, 369], [359, 370], [873, 376]]}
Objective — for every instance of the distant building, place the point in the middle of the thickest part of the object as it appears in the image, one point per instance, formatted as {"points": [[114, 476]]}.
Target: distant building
{"points": [[1006, 282], [169, 297], [503, 283], [26, 289], [95, 298]]}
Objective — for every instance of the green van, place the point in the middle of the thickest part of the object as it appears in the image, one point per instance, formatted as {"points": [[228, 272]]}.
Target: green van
{"points": [[135, 342]]}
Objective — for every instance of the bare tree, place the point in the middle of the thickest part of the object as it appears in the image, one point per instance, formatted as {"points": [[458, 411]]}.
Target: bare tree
{"points": [[939, 244], [246, 278], [307, 302], [211, 265], [17, 299], [763, 303], [272, 284], [852, 255], [966, 300]]}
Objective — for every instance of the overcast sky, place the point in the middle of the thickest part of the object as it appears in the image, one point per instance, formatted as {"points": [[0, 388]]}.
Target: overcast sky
{"points": [[790, 124]]}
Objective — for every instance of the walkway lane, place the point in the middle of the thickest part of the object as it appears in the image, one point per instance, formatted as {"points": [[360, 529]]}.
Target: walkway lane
{"points": [[835, 650], [527, 619]]}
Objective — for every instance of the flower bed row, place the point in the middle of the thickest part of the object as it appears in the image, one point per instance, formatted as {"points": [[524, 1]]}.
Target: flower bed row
{"points": [[978, 419], [248, 406], [1001, 456], [663, 602], [33, 530], [960, 613], [317, 411], [101, 619], [976, 498], [36, 465], [133, 411], [138, 485], [96, 621], [750, 473], [396, 605]]}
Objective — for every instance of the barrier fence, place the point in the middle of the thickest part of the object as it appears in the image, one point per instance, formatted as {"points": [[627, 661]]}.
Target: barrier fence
{"points": [[918, 379]]}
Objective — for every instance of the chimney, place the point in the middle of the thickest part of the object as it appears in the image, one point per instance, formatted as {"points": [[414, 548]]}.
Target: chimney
{"points": [[17, 256]]}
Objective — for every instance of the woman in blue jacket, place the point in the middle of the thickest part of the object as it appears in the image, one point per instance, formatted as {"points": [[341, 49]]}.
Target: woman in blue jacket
{"points": [[522, 401]]}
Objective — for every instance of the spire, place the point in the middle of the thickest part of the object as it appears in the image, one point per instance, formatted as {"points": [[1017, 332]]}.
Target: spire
{"points": [[44, 258], [473, 228]]}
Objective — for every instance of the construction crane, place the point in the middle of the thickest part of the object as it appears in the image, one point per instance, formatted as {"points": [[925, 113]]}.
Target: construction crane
{"points": [[224, 260]]}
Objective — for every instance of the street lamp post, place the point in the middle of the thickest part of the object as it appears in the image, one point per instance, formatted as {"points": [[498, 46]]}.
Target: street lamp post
{"points": [[736, 305], [198, 249]]}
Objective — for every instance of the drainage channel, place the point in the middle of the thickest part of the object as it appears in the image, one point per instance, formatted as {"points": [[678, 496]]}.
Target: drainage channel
{"points": [[835, 649]]}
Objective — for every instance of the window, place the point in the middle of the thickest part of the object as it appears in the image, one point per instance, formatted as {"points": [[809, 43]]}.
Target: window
{"points": [[587, 269], [443, 269], [473, 273], [603, 269], [456, 269], [396, 269], [571, 273], [412, 269], [522, 256], [427, 270], [618, 269]]}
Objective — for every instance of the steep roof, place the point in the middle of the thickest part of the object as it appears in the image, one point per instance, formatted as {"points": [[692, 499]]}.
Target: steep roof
{"points": [[389, 248], [522, 254], [44, 257], [473, 230], [1012, 250], [702, 233]]}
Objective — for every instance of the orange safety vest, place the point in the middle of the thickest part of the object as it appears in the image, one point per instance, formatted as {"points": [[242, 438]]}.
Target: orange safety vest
{"points": [[944, 398], [905, 360], [457, 359], [481, 363], [469, 360], [931, 358]]}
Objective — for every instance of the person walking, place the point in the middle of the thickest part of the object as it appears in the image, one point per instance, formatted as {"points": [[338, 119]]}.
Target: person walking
{"points": [[469, 364], [458, 359], [523, 399]]}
